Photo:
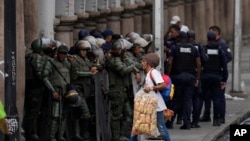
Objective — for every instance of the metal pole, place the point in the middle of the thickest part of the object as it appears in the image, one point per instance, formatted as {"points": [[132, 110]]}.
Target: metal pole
{"points": [[158, 29], [10, 68], [237, 44]]}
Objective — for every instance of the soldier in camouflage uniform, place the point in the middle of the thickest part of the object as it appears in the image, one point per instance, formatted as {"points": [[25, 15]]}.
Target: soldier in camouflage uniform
{"points": [[118, 96], [82, 76], [33, 90], [56, 76]]}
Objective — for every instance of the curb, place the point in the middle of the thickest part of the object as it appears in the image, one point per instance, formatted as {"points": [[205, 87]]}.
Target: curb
{"points": [[215, 134]]}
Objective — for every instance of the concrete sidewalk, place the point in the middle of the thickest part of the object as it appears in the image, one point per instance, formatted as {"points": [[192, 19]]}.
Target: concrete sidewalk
{"points": [[237, 110]]}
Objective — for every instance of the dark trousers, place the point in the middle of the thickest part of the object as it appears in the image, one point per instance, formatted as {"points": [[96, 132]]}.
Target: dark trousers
{"points": [[197, 104], [184, 90], [211, 91], [222, 109]]}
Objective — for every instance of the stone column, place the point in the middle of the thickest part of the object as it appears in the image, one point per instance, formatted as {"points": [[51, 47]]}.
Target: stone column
{"points": [[65, 12], [172, 9], [147, 18], [138, 16], [31, 27], [81, 17], [216, 12], [200, 21], [165, 13], [103, 7], [229, 14], [181, 11], [114, 18], [20, 94], [91, 8], [222, 18], [189, 14], [127, 21], [209, 13], [46, 15]]}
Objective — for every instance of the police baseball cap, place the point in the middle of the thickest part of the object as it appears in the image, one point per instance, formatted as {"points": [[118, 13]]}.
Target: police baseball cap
{"points": [[211, 36]]}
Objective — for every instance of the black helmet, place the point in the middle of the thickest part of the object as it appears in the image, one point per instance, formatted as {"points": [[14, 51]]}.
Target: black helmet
{"points": [[190, 33], [72, 98], [36, 45]]}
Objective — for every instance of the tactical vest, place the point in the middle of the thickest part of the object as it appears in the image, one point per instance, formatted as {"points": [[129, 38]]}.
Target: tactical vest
{"points": [[115, 78], [213, 65], [33, 67], [184, 59], [64, 68], [81, 65]]}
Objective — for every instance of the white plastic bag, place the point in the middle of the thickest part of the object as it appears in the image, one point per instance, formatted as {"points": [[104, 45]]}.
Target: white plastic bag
{"points": [[144, 121]]}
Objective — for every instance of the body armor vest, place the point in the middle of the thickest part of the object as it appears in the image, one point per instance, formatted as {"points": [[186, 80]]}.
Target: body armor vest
{"points": [[64, 68], [213, 65], [184, 59], [33, 68], [81, 65], [114, 77]]}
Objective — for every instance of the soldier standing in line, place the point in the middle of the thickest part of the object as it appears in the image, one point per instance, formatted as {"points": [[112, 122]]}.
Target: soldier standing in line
{"points": [[56, 77], [82, 76], [117, 95], [184, 69], [34, 89]]}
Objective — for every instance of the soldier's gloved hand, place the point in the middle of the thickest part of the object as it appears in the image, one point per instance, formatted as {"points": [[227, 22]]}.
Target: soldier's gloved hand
{"points": [[55, 95]]}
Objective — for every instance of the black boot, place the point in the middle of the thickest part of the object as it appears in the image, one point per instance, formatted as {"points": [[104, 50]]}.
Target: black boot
{"points": [[61, 130], [216, 122], [53, 130], [205, 119], [195, 124], [76, 131]]}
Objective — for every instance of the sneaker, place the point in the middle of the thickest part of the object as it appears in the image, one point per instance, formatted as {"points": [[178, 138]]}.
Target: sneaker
{"points": [[123, 139]]}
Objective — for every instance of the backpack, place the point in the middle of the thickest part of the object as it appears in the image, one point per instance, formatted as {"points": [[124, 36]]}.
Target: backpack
{"points": [[168, 92]]}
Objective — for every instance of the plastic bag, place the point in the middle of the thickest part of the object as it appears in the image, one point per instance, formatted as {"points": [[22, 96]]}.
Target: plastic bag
{"points": [[144, 121]]}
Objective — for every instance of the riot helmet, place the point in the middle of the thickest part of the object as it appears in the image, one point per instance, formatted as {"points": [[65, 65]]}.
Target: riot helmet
{"points": [[62, 49], [116, 48], [36, 45], [72, 98], [83, 45]]}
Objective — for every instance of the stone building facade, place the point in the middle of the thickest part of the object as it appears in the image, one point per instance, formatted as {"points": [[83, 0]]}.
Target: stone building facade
{"points": [[61, 20]]}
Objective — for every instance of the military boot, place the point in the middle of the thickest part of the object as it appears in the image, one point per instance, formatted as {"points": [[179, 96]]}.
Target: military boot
{"points": [[61, 131], [76, 131], [85, 126], [53, 130]]}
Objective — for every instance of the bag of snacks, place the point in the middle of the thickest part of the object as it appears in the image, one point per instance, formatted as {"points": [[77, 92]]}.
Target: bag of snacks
{"points": [[144, 121]]}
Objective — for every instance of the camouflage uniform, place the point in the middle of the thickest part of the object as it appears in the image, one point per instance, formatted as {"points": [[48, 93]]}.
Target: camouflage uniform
{"points": [[118, 96], [33, 90], [57, 84], [82, 78]]}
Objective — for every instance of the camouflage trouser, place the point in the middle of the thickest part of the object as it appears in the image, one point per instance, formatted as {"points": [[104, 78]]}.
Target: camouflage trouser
{"points": [[121, 112], [32, 107]]}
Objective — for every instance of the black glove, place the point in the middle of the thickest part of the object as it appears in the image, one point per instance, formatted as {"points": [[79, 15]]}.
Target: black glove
{"points": [[6, 137]]}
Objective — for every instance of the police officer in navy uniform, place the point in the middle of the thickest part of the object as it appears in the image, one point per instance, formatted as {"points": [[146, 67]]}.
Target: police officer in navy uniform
{"points": [[184, 69], [229, 57], [197, 101], [214, 76]]}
